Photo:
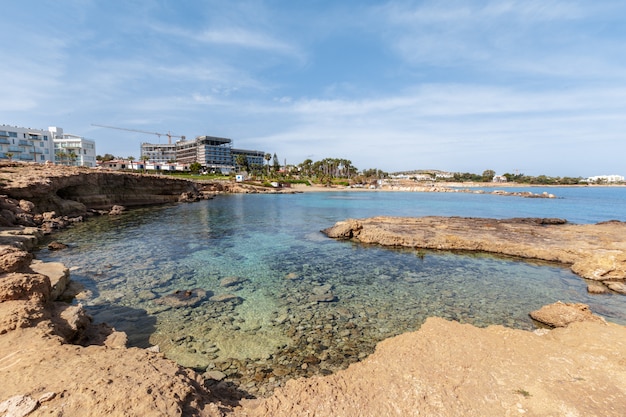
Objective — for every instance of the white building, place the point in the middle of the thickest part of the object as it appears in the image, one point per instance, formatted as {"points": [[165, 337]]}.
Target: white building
{"points": [[72, 149], [606, 178], [26, 144], [158, 153]]}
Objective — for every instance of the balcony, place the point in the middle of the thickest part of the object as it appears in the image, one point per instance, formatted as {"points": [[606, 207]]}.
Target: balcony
{"points": [[4, 141], [14, 148]]}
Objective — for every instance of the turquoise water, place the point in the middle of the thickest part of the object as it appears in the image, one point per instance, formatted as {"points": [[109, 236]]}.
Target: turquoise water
{"points": [[305, 304]]}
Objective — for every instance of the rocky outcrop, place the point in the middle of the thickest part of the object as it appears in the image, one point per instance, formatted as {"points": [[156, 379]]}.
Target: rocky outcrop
{"points": [[595, 251], [72, 190], [563, 314], [451, 369]]}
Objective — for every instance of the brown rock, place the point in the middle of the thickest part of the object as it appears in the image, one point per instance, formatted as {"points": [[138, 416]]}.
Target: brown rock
{"points": [[19, 286], [449, 369], [117, 210], [13, 259], [563, 314], [222, 298], [595, 251], [231, 281], [186, 298], [619, 287], [56, 245]]}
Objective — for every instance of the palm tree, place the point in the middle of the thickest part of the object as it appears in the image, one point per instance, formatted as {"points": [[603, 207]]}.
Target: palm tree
{"points": [[60, 156], [72, 156], [268, 157], [242, 162]]}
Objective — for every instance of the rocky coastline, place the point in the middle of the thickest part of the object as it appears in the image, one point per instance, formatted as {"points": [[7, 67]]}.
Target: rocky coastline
{"points": [[57, 362], [596, 252]]}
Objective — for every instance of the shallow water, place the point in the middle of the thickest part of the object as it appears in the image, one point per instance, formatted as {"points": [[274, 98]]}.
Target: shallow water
{"points": [[277, 327]]}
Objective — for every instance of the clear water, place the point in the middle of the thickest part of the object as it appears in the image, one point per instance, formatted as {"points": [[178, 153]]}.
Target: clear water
{"points": [[277, 329]]}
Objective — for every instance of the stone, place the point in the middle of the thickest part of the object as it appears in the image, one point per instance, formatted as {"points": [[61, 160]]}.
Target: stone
{"points": [[619, 287], [56, 245], [17, 286], [180, 298], [117, 210], [57, 273], [13, 259], [231, 281], [597, 288], [18, 406], [563, 314], [292, 276], [222, 298], [214, 375]]}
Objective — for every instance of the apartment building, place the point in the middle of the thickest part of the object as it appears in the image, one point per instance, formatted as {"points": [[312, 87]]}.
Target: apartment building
{"points": [[72, 149], [26, 144]]}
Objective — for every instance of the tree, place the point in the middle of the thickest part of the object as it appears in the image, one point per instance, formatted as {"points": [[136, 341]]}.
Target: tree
{"points": [[195, 167], [488, 175], [9, 155], [72, 157], [268, 157], [242, 162], [276, 163], [60, 156]]}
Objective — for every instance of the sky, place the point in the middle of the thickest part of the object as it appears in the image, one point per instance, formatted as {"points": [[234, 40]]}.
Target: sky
{"points": [[531, 86]]}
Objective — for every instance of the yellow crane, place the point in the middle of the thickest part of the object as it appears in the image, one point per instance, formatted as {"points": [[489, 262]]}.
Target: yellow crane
{"points": [[168, 134]]}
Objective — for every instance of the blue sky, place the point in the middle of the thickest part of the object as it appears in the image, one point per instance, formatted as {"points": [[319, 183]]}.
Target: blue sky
{"points": [[537, 86]]}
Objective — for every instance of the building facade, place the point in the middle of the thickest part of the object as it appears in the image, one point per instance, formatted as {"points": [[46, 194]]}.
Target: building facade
{"points": [[26, 144], [255, 158], [72, 149], [158, 153], [212, 152]]}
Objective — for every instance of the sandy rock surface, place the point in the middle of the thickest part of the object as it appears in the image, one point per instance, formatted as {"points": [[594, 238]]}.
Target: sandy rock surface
{"points": [[451, 369]]}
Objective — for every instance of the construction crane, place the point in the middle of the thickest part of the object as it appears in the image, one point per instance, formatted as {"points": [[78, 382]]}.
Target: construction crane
{"points": [[168, 134]]}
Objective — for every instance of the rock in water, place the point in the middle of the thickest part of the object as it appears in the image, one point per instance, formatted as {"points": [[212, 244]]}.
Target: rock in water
{"points": [[56, 245], [561, 314], [179, 298], [231, 281]]}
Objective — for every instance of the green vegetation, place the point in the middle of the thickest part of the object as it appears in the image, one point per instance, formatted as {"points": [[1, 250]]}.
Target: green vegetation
{"points": [[523, 392]]}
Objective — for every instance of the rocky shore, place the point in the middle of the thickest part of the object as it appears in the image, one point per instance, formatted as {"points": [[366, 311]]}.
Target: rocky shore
{"points": [[596, 252], [54, 361]]}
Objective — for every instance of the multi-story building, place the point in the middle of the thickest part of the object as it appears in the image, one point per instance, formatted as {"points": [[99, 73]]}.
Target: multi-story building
{"points": [[158, 153], [26, 144], [255, 158], [72, 149], [213, 153]]}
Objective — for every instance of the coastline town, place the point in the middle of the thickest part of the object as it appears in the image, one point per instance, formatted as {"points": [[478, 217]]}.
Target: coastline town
{"points": [[210, 154]]}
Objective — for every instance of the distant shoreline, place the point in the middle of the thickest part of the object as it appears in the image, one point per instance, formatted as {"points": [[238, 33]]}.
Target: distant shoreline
{"points": [[439, 186]]}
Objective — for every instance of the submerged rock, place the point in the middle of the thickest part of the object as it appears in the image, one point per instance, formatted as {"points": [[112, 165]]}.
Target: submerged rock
{"points": [[231, 281], [187, 298], [222, 298]]}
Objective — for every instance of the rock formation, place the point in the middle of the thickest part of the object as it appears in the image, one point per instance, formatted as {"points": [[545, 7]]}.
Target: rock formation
{"points": [[71, 191], [595, 251]]}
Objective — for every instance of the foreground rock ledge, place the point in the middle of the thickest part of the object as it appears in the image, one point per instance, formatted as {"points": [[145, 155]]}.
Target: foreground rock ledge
{"points": [[451, 369], [595, 251]]}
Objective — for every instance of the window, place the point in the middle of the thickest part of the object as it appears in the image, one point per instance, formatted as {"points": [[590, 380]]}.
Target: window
{"points": [[12, 134]]}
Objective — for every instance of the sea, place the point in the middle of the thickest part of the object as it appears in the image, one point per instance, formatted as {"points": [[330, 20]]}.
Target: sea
{"points": [[232, 285]]}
